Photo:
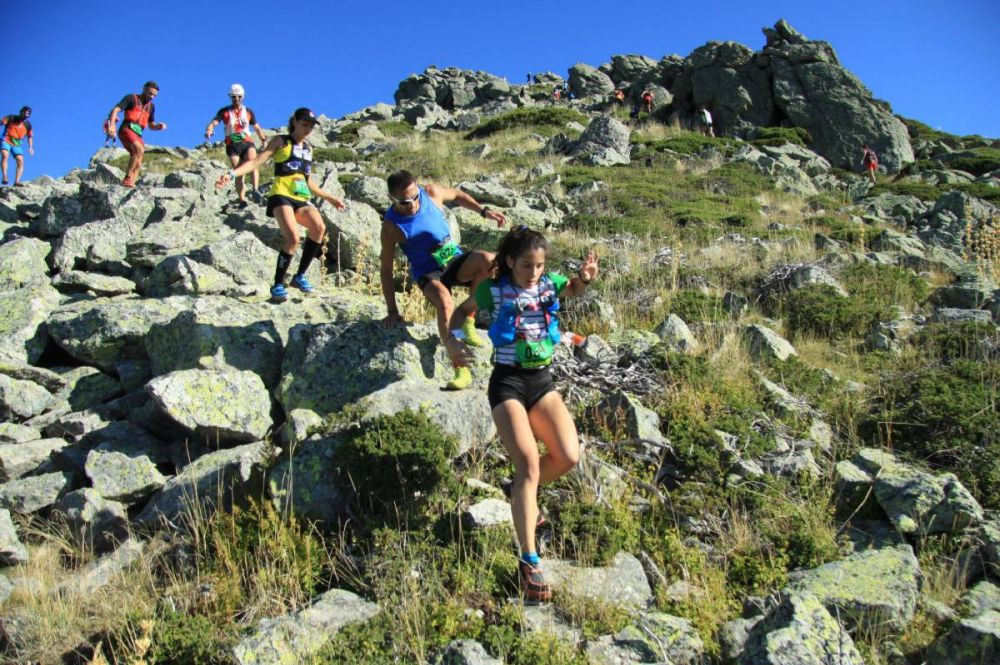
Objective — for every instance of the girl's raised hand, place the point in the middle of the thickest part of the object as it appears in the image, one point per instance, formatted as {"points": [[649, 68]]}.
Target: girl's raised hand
{"points": [[588, 270]]}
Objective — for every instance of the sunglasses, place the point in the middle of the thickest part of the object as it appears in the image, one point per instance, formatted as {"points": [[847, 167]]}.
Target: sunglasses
{"points": [[412, 199], [235, 96]]}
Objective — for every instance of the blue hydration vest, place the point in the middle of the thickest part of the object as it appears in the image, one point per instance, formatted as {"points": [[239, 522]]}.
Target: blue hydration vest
{"points": [[426, 232], [503, 330]]}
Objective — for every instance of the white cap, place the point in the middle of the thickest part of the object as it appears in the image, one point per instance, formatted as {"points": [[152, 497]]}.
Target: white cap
{"points": [[236, 89]]}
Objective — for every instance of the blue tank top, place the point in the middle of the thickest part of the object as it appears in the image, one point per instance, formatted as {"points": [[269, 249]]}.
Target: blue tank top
{"points": [[425, 232]]}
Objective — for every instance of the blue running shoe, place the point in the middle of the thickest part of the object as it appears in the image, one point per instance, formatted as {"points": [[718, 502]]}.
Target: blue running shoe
{"points": [[279, 293], [300, 282]]}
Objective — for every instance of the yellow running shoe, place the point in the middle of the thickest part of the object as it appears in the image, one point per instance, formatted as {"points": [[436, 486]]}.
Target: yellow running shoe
{"points": [[463, 379], [472, 337]]}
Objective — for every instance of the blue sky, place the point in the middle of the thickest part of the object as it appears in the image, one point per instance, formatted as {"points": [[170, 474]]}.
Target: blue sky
{"points": [[71, 61]]}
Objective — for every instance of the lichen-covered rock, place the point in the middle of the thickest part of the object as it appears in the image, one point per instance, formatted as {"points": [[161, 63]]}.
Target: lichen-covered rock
{"points": [[799, 631], [487, 513], [654, 638], [971, 641], [605, 142], [626, 418], [22, 399], [370, 190], [242, 256], [464, 414], [97, 245], [222, 406], [675, 333], [182, 275], [76, 281], [466, 652], [302, 480], [18, 459], [95, 524], [918, 502], [102, 332], [353, 241], [765, 343], [622, 583], [17, 433], [12, 550], [873, 589], [119, 477], [23, 314], [105, 570], [296, 637], [588, 81], [22, 262], [88, 387], [490, 190], [328, 366], [218, 478], [34, 493]]}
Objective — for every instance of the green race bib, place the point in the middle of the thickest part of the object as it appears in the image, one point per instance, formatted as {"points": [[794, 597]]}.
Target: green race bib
{"points": [[135, 127], [300, 188], [445, 253], [534, 354], [238, 137]]}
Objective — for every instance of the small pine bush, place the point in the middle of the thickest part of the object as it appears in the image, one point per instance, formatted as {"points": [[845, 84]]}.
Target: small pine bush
{"points": [[777, 136]]}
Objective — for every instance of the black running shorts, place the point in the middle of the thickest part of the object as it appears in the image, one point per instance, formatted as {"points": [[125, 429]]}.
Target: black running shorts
{"points": [[447, 275], [527, 386]]}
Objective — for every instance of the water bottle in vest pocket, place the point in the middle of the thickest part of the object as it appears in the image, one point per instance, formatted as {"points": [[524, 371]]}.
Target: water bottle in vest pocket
{"points": [[503, 330]]}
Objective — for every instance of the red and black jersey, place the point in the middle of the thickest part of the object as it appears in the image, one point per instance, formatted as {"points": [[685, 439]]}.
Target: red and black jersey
{"points": [[238, 123], [137, 112], [15, 129]]}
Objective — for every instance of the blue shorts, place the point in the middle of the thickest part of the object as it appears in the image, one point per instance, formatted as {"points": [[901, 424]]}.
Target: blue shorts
{"points": [[15, 150]]}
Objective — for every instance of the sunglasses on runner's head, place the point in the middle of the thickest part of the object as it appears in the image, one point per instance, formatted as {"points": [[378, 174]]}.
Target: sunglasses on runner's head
{"points": [[412, 199]]}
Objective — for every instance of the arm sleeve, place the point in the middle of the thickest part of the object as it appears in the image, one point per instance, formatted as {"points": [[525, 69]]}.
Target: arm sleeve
{"points": [[251, 117], [127, 102], [27, 126], [220, 115], [558, 281], [484, 295], [152, 113]]}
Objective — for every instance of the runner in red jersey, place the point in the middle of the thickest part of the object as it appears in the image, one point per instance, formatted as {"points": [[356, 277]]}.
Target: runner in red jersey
{"points": [[139, 115]]}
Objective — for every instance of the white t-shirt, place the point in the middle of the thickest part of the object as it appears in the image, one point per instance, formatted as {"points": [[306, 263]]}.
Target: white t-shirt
{"points": [[706, 116]]}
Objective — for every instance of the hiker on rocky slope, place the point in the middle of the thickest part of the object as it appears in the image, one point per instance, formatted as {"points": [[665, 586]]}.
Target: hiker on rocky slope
{"points": [[16, 128], [239, 122], [415, 222], [869, 160], [139, 114], [522, 300], [288, 200]]}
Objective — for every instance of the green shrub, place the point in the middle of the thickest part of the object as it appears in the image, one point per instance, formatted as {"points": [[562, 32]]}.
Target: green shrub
{"points": [[953, 341], [819, 310], [527, 117], [686, 143], [977, 161], [180, 638], [694, 306], [592, 532], [395, 128], [919, 130], [776, 136], [924, 191], [980, 190], [338, 154], [946, 416], [395, 463], [844, 230]]}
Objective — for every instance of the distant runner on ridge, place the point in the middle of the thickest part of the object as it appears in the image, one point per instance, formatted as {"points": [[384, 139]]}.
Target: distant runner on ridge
{"points": [[16, 129], [240, 147], [288, 200], [139, 114]]}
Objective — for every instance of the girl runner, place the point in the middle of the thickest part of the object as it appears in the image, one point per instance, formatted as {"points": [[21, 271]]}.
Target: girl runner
{"points": [[522, 300]]}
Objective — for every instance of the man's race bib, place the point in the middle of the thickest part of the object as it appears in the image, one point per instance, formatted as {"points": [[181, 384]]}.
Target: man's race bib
{"points": [[238, 137], [445, 253], [135, 127], [300, 188], [14, 142], [534, 354]]}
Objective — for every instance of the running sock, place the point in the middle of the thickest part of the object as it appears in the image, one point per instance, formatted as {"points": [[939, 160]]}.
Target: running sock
{"points": [[310, 250], [284, 260], [530, 558]]}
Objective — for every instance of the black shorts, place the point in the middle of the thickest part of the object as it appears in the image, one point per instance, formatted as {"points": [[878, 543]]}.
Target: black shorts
{"points": [[447, 275], [278, 200], [527, 386], [239, 149]]}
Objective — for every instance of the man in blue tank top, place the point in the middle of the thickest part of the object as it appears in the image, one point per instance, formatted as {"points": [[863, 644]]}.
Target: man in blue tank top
{"points": [[416, 223]]}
